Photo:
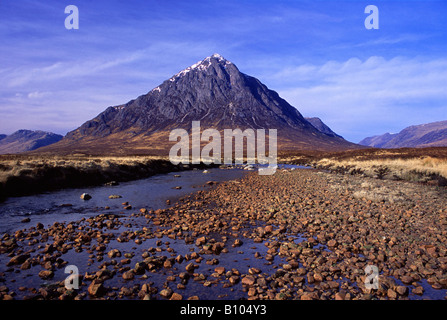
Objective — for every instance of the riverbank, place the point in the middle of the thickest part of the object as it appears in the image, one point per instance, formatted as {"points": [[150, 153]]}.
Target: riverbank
{"points": [[422, 165], [30, 174], [298, 234]]}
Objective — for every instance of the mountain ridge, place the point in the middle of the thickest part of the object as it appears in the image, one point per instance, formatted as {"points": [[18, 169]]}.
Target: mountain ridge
{"points": [[322, 127], [27, 140], [212, 91], [433, 134]]}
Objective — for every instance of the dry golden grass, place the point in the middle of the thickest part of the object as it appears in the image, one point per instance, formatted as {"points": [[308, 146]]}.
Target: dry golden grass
{"points": [[406, 169], [17, 165], [28, 174]]}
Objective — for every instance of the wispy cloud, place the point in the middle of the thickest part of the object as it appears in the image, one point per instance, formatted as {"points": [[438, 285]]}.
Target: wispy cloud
{"points": [[359, 98]]}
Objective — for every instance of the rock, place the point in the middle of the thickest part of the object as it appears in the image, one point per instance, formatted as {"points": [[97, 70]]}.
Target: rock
{"points": [[237, 243], [268, 229], [86, 196], [176, 296], [190, 267], [115, 196], [200, 241], [18, 259], [46, 274], [96, 289], [391, 294], [306, 296], [25, 220], [340, 296], [128, 275], [402, 290], [406, 279], [332, 243], [251, 292], [111, 183], [318, 277], [418, 290], [114, 253], [219, 270], [166, 293], [248, 280], [233, 279], [254, 271]]}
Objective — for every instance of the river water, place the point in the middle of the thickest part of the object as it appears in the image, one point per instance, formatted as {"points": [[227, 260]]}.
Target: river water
{"points": [[66, 205], [150, 193]]}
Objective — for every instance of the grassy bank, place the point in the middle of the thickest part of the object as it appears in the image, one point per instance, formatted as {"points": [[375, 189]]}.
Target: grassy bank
{"points": [[426, 165], [426, 169], [29, 174]]}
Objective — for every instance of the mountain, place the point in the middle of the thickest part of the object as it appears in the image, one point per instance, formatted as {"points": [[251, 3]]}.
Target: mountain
{"points": [[2, 136], [27, 140], [432, 134], [378, 141], [322, 127], [212, 91]]}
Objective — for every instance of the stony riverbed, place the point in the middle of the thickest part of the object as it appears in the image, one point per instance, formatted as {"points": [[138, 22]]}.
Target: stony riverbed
{"points": [[299, 234]]}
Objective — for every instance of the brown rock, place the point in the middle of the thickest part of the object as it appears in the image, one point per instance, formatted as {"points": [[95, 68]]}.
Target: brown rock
{"points": [[332, 243], [248, 280], [220, 270], [254, 271], [391, 294], [190, 267], [233, 280], [406, 279], [176, 296], [306, 296], [18, 259], [128, 275], [418, 290], [96, 289], [251, 292], [402, 290], [340, 296], [86, 196], [237, 243], [166, 293], [200, 241], [46, 274], [318, 277]]}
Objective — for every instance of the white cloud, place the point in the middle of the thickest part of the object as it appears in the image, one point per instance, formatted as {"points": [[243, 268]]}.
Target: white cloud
{"points": [[357, 98], [38, 94]]}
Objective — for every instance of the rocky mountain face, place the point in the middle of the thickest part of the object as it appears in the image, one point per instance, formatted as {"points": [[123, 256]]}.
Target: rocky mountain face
{"points": [[432, 134], [322, 127], [212, 91], [27, 140]]}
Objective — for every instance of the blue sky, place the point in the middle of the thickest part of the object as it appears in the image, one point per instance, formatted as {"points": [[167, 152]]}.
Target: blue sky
{"points": [[318, 55]]}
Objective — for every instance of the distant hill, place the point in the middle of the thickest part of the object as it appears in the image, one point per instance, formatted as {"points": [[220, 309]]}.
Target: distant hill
{"points": [[27, 140], [322, 127], [213, 91], [2, 136], [432, 134]]}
